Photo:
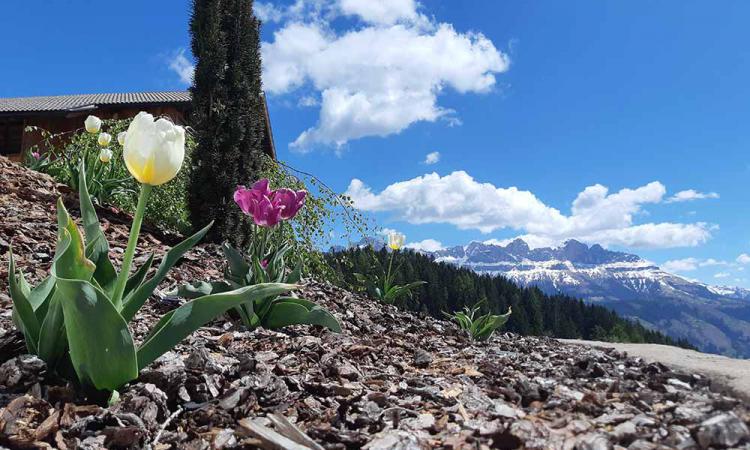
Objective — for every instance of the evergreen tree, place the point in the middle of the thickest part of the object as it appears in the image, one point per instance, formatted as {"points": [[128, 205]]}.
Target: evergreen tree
{"points": [[227, 113], [451, 288]]}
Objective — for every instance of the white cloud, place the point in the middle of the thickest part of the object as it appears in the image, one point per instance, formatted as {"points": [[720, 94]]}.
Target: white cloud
{"points": [[597, 216], [690, 195], [722, 275], [681, 265], [383, 12], [182, 67], [268, 12], [744, 258], [308, 101], [432, 158], [377, 78], [427, 245]]}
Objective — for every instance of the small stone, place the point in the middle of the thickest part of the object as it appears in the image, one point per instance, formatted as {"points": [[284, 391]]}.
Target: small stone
{"points": [[422, 358], [19, 373], [593, 441], [724, 430], [624, 432]]}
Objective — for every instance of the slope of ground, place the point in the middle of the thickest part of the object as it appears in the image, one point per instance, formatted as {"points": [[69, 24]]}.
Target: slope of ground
{"points": [[390, 380], [734, 374]]}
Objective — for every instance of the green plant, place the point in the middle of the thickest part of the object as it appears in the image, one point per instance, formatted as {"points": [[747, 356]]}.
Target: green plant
{"points": [[77, 319], [480, 328], [380, 284], [106, 180], [266, 261], [60, 155], [313, 227]]}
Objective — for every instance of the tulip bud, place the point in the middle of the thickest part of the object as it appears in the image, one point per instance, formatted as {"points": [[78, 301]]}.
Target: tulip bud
{"points": [[396, 240], [93, 124], [105, 155], [154, 149], [104, 139], [36, 155], [121, 137]]}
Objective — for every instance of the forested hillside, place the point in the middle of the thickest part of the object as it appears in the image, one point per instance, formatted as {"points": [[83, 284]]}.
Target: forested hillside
{"points": [[450, 288]]}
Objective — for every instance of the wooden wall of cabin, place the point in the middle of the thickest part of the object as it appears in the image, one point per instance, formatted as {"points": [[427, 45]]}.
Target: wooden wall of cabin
{"points": [[69, 123]]}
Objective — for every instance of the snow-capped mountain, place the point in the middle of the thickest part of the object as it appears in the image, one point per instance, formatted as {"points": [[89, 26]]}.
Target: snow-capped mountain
{"points": [[714, 318]]}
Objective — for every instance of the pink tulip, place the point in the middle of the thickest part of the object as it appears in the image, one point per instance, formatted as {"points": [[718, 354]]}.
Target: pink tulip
{"points": [[246, 199], [36, 155], [261, 186], [264, 263], [267, 214], [290, 201]]}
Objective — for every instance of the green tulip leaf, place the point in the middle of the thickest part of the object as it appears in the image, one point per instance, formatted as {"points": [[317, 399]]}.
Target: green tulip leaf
{"points": [[98, 250], [180, 323], [135, 300], [296, 311], [23, 312], [100, 345], [201, 288], [52, 339], [238, 266]]}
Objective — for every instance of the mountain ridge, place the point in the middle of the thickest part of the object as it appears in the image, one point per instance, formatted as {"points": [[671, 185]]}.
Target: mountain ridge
{"points": [[714, 318]]}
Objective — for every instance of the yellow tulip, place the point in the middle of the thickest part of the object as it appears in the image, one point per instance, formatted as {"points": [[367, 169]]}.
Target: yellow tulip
{"points": [[396, 240], [121, 137], [154, 149]]}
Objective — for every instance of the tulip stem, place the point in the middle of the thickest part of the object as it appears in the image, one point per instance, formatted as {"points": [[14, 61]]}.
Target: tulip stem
{"points": [[127, 260]]}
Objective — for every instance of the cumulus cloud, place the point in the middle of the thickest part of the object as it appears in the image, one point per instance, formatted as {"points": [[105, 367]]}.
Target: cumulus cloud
{"points": [[691, 264], [182, 67], [374, 93], [432, 158], [681, 265], [744, 258], [427, 245], [597, 216], [722, 275], [690, 195]]}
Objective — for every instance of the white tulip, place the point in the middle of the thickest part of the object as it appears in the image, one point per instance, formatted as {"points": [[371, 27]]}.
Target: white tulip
{"points": [[93, 124], [121, 137], [105, 155], [104, 139], [154, 149]]}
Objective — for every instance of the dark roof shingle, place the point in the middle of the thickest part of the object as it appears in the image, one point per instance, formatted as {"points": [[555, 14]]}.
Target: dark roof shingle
{"points": [[73, 102]]}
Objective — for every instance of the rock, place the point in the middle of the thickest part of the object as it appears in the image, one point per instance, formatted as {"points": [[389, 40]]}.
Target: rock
{"points": [[624, 432], [422, 358], [19, 373], [593, 441], [723, 430], [395, 440]]}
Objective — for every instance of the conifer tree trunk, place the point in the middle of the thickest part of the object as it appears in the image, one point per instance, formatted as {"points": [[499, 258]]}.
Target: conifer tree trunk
{"points": [[227, 113]]}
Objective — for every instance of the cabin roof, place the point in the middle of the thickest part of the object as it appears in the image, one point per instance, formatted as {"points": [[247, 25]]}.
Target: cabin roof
{"points": [[69, 103]]}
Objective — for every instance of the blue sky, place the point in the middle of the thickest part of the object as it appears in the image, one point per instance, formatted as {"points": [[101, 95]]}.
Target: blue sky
{"points": [[532, 106]]}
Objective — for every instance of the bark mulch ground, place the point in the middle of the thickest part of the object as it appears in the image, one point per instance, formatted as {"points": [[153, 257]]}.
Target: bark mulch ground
{"points": [[392, 379]]}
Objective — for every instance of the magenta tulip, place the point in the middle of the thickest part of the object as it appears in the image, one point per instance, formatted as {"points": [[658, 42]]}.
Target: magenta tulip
{"points": [[246, 199], [290, 201], [267, 214]]}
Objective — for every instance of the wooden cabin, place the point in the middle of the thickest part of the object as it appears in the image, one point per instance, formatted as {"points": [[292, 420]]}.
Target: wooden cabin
{"points": [[66, 113]]}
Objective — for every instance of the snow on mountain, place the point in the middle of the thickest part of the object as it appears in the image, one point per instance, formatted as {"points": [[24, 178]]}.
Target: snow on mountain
{"points": [[714, 318]]}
